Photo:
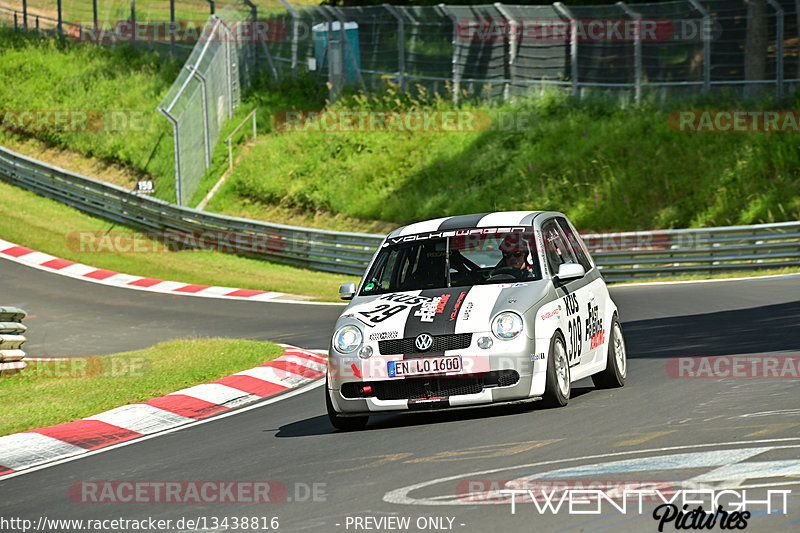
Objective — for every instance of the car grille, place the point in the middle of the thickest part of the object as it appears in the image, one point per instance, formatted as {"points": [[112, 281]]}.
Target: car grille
{"points": [[405, 389], [459, 341]]}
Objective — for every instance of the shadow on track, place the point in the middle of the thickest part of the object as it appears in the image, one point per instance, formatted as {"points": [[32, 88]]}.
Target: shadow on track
{"points": [[770, 328], [319, 425]]}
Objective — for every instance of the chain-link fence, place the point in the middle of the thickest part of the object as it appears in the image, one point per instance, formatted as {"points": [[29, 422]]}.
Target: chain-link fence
{"points": [[498, 50], [204, 96]]}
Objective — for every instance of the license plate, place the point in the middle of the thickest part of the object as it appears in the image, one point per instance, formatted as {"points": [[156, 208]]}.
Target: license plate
{"points": [[429, 365]]}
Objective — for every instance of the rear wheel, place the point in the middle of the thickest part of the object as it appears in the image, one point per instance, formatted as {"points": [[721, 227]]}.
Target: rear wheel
{"points": [[617, 361], [343, 423], [557, 384]]}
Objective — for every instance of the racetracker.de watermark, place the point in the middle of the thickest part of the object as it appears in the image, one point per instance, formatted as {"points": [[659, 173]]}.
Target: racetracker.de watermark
{"points": [[529, 30], [382, 121], [548, 490], [202, 492], [735, 366], [734, 121], [173, 241], [72, 121], [180, 31], [118, 366]]}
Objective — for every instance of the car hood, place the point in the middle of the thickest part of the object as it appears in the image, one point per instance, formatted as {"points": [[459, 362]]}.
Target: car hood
{"points": [[440, 311]]}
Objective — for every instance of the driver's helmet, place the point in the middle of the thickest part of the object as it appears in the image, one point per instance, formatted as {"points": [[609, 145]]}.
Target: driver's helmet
{"points": [[516, 244]]}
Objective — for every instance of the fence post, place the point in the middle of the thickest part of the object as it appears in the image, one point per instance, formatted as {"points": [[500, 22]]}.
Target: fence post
{"points": [[456, 52], [24, 14], [206, 125], [338, 14], [778, 48], [513, 45], [295, 33], [172, 27], [228, 67], [573, 44], [211, 6], [59, 18], [706, 44], [176, 138], [637, 49], [94, 14], [401, 45], [133, 23], [334, 78]]}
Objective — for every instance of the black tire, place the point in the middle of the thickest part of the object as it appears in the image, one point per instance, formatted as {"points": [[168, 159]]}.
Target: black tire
{"points": [[617, 360], [557, 361], [343, 423]]}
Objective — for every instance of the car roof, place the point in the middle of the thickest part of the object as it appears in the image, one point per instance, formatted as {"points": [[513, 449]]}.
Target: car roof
{"points": [[478, 220]]}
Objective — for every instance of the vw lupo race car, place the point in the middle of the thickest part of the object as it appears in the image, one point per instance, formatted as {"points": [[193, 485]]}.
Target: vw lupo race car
{"points": [[471, 310]]}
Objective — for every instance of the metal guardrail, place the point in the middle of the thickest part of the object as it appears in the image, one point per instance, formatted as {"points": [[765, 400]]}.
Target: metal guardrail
{"points": [[331, 251], [11, 339], [620, 256]]}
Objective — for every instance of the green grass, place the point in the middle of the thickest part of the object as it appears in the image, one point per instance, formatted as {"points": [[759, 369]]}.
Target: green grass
{"points": [[48, 393], [44, 74], [28, 221]]}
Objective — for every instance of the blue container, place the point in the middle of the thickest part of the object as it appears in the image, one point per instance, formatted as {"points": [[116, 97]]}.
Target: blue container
{"points": [[332, 58]]}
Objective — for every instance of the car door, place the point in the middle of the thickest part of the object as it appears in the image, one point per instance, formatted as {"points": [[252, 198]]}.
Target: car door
{"points": [[575, 295]]}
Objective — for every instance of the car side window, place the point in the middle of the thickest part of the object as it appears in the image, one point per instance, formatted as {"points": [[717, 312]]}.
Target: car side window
{"points": [[575, 244], [557, 249]]}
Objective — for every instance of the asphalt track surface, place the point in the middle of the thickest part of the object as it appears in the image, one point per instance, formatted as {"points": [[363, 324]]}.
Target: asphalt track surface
{"points": [[708, 433]]}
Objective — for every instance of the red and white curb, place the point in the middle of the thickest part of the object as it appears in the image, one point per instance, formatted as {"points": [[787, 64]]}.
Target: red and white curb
{"points": [[32, 448], [43, 261]]}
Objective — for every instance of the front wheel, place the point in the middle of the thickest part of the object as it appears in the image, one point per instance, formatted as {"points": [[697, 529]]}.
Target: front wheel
{"points": [[343, 423], [557, 384], [617, 361]]}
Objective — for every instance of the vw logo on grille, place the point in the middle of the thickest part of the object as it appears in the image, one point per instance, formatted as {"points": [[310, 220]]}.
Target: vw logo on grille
{"points": [[423, 342]]}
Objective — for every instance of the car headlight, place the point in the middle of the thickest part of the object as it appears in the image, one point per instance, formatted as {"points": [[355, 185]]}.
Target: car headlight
{"points": [[507, 325], [347, 339]]}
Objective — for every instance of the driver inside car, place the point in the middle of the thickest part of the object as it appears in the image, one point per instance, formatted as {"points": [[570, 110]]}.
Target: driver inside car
{"points": [[516, 258]]}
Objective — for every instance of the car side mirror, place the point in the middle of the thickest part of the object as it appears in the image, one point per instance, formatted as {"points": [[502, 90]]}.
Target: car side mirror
{"points": [[347, 291], [569, 271]]}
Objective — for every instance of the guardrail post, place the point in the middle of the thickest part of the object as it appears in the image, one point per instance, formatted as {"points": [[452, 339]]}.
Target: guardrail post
{"points": [[401, 45], [706, 44], [573, 44], [637, 50], [778, 48], [456, 52]]}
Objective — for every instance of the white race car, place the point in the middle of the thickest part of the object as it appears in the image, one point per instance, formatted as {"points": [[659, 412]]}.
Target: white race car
{"points": [[470, 310]]}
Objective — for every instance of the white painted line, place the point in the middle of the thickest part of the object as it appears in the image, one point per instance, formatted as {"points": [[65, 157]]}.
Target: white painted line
{"points": [[755, 469], [401, 495], [21, 450], [683, 282], [141, 418], [76, 270], [269, 401]]}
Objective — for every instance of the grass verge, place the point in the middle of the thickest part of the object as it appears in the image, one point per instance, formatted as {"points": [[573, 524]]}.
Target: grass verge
{"points": [[46, 394], [29, 220]]}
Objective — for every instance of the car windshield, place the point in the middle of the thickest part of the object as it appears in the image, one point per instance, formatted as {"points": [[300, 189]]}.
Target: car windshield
{"points": [[464, 258]]}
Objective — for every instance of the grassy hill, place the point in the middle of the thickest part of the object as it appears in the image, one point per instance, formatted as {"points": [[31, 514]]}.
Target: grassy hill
{"points": [[606, 165]]}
